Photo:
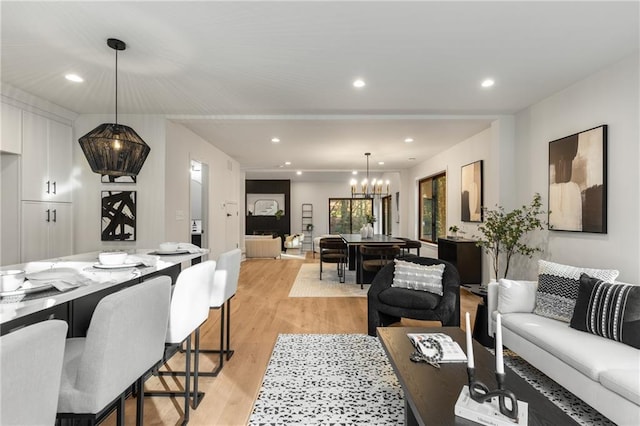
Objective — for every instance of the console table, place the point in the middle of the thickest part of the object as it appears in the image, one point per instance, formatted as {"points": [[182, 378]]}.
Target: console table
{"points": [[464, 255]]}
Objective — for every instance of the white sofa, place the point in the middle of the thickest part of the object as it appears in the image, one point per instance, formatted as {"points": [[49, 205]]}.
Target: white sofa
{"points": [[602, 372], [262, 246], [294, 241]]}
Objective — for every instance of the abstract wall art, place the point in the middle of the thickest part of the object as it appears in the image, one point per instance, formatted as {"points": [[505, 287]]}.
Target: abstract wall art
{"points": [[118, 215], [578, 182], [471, 192]]}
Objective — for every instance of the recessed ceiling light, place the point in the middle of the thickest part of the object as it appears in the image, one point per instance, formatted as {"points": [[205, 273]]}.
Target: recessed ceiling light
{"points": [[408, 140], [355, 172], [380, 163], [287, 163], [298, 172], [74, 77], [275, 140], [412, 158], [359, 83], [488, 83]]}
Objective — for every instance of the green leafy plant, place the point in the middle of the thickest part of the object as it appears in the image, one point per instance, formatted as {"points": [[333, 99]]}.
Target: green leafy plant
{"points": [[309, 226], [502, 232], [369, 218], [279, 214], [454, 229]]}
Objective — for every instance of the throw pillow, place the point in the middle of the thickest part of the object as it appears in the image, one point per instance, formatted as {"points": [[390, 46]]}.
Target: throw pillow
{"points": [[418, 277], [558, 288], [516, 296], [608, 310]]}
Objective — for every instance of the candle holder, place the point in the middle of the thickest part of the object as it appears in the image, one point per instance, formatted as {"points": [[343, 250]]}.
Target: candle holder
{"points": [[480, 393]]}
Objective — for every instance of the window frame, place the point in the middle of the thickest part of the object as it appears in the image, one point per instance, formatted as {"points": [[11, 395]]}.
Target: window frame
{"points": [[352, 231], [437, 197]]}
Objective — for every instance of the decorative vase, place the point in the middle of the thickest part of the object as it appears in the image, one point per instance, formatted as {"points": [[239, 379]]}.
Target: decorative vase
{"points": [[369, 230], [363, 231]]}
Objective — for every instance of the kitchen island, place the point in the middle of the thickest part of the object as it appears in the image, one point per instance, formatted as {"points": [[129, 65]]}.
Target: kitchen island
{"points": [[83, 282]]}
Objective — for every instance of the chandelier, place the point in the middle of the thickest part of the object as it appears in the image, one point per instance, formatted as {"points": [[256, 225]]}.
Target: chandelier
{"points": [[370, 189], [111, 148]]}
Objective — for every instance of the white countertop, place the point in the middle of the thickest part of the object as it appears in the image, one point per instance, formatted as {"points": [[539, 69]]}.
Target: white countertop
{"points": [[79, 269]]}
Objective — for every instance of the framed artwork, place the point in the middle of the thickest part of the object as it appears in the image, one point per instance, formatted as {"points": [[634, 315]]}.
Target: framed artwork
{"points": [[118, 216], [118, 179], [578, 182], [471, 192], [264, 204]]}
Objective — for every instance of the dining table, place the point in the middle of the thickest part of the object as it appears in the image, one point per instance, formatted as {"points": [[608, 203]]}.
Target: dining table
{"points": [[355, 241], [70, 287]]}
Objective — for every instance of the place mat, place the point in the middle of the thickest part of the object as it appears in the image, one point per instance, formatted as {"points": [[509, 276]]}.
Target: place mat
{"points": [[32, 296]]}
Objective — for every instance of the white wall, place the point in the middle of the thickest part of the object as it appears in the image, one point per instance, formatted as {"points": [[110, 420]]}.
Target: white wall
{"points": [[182, 146], [515, 154], [150, 196], [478, 147], [318, 194], [608, 97]]}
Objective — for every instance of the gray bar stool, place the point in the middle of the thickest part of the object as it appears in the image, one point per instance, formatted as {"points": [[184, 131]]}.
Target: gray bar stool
{"points": [[31, 365], [124, 341]]}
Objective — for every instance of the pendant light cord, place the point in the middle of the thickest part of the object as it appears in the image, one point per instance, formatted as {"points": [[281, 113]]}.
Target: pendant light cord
{"points": [[116, 86]]}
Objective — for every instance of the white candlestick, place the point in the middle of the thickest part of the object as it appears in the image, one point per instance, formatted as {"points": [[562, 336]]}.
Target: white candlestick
{"points": [[499, 362], [469, 341]]}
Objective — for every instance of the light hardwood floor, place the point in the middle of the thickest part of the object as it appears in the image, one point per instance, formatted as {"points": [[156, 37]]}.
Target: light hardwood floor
{"points": [[260, 311]]}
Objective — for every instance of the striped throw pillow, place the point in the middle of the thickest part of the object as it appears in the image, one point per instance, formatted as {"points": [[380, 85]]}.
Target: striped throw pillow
{"points": [[608, 310], [418, 277], [558, 288]]}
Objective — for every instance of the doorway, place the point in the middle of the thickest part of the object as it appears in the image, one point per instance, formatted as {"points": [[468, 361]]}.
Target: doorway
{"points": [[199, 191]]}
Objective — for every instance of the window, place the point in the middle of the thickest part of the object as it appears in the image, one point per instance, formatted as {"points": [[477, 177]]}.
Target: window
{"points": [[432, 203], [347, 215]]}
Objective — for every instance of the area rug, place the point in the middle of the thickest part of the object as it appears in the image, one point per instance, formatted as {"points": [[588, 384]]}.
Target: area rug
{"points": [[346, 379], [340, 379], [308, 284]]}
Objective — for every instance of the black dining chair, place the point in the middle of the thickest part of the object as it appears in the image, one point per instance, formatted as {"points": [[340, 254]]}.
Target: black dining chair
{"points": [[334, 250]]}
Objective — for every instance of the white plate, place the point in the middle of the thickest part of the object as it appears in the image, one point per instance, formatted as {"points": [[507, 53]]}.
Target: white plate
{"points": [[124, 265], [160, 252], [27, 288]]}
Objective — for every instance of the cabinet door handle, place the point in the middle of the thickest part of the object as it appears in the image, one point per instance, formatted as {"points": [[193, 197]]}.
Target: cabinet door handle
{"points": [[48, 187], [55, 214], [54, 188], [48, 215]]}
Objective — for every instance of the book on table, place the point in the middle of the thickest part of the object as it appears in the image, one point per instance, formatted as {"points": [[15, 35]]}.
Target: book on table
{"points": [[451, 350]]}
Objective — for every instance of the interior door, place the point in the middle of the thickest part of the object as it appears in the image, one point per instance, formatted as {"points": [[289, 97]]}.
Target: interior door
{"points": [[232, 227]]}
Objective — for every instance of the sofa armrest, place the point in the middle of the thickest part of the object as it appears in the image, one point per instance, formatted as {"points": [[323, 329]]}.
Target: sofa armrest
{"points": [[492, 304]]}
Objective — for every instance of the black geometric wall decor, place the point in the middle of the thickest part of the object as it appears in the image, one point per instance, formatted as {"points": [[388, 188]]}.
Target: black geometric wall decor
{"points": [[118, 215]]}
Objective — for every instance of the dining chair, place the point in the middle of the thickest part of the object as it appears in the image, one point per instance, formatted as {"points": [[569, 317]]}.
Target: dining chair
{"points": [[124, 341], [409, 245], [334, 250], [375, 257], [31, 366], [189, 309], [223, 288]]}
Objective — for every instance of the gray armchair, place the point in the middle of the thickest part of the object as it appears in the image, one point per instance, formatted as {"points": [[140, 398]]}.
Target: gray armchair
{"points": [[387, 304]]}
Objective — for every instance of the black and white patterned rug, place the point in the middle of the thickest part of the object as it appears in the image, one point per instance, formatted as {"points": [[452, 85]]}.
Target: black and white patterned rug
{"points": [[346, 379]]}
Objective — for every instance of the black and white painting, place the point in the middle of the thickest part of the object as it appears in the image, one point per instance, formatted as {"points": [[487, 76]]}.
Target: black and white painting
{"points": [[118, 179], [471, 192], [264, 204], [118, 215], [578, 182]]}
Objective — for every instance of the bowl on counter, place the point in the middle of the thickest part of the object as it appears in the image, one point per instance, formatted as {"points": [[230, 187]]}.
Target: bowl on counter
{"points": [[170, 246], [11, 279], [112, 257]]}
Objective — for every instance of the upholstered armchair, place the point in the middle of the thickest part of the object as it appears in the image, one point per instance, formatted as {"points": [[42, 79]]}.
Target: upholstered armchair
{"points": [[387, 304]]}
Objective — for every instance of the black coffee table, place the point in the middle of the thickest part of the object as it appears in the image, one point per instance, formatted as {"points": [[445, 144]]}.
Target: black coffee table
{"points": [[431, 393]]}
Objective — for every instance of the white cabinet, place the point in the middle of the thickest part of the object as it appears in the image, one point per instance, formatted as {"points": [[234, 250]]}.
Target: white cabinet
{"points": [[11, 124], [46, 159], [46, 230]]}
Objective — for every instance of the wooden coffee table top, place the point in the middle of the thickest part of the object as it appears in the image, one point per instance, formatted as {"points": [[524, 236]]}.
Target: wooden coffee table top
{"points": [[431, 393]]}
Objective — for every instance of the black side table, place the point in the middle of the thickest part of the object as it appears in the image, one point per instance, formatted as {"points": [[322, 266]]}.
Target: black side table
{"points": [[480, 328]]}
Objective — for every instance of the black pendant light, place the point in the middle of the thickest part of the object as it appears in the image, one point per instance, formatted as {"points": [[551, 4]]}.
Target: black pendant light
{"points": [[112, 148]]}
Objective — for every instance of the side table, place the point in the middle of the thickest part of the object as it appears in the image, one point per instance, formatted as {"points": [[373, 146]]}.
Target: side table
{"points": [[480, 327]]}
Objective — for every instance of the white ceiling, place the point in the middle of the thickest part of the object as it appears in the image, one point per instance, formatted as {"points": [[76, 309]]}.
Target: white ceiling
{"points": [[238, 73]]}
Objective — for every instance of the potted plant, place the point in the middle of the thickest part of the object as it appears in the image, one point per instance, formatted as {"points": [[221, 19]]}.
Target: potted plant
{"points": [[279, 214], [454, 231], [502, 232], [309, 227]]}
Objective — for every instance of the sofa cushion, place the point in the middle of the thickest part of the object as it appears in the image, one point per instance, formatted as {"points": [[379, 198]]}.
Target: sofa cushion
{"points": [[587, 353], [516, 296], [418, 277], [558, 288], [608, 310], [409, 299], [623, 382]]}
